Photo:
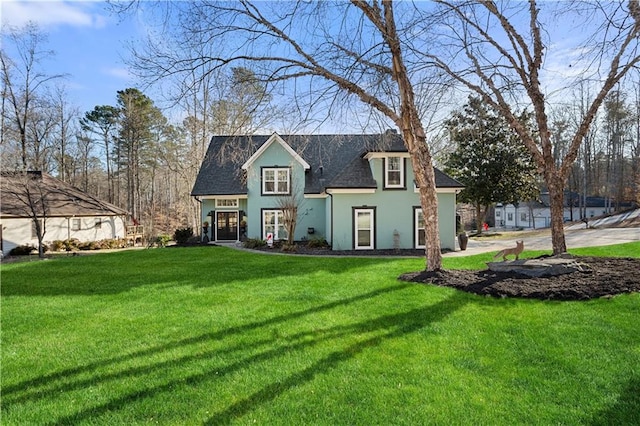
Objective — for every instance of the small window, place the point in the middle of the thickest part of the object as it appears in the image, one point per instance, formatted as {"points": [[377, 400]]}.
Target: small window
{"points": [[275, 181], [227, 202], [75, 224], [420, 233], [510, 217], [394, 172], [523, 217], [98, 224], [497, 213]]}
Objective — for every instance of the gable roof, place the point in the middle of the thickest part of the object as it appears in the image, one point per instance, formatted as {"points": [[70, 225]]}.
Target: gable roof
{"points": [[335, 161], [275, 138], [61, 199]]}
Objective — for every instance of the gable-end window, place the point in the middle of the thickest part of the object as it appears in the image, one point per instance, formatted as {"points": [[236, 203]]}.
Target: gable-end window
{"points": [[273, 222], [394, 172], [75, 224], [275, 181]]}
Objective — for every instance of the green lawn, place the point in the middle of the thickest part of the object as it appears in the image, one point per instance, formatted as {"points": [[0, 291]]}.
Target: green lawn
{"points": [[210, 335]]}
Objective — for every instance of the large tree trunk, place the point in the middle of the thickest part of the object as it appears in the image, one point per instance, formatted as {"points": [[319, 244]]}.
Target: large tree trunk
{"points": [[425, 177], [555, 184]]}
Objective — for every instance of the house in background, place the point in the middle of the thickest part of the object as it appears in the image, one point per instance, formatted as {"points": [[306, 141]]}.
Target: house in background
{"points": [[537, 214], [355, 191], [68, 212]]}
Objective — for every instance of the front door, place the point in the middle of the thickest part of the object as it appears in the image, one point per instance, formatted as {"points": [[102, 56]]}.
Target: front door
{"points": [[227, 226]]}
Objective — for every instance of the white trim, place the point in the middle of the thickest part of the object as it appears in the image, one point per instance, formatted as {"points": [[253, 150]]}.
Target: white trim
{"points": [[384, 154], [276, 181], [416, 215], [215, 197], [275, 138], [276, 225], [386, 170], [351, 190], [371, 229], [449, 190], [323, 195]]}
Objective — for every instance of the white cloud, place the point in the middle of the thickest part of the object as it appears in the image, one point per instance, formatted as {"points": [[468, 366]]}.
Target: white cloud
{"points": [[48, 14], [122, 73]]}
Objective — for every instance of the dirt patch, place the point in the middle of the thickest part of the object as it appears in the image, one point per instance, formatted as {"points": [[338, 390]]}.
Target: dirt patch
{"points": [[607, 277]]}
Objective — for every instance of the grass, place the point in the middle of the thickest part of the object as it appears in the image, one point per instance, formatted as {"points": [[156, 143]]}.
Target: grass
{"points": [[210, 335]]}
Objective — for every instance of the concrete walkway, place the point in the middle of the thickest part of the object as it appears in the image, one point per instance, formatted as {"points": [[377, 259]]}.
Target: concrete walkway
{"points": [[574, 238]]}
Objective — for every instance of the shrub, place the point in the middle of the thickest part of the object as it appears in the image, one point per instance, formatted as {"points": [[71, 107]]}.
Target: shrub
{"points": [[318, 242], [288, 247], [162, 240], [254, 243], [22, 250], [182, 235], [57, 245]]}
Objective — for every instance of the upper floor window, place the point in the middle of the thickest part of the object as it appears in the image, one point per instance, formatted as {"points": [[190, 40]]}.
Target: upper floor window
{"points": [[394, 172], [275, 180]]}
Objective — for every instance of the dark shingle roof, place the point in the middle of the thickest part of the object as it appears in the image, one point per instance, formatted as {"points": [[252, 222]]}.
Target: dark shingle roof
{"points": [[337, 161], [60, 198]]}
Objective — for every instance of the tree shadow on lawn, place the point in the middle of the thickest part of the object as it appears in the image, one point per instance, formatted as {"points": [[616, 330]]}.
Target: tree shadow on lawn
{"points": [[626, 410], [208, 266], [369, 333]]}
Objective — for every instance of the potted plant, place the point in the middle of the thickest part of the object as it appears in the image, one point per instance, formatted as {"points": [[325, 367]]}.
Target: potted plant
{"points": [[463, 239]]}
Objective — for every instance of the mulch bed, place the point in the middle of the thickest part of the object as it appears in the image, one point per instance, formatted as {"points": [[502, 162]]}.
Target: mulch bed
{"points": [[608, 277]]}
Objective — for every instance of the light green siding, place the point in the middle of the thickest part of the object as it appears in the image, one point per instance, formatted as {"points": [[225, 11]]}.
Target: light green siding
{"points": [[394, 214], [311, 211]]}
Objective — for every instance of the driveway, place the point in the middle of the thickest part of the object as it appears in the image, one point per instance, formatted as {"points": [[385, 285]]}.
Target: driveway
{"points": [[574, 238]]}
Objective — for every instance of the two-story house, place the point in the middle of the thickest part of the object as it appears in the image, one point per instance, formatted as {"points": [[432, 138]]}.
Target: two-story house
{"points": [[355, 191]]}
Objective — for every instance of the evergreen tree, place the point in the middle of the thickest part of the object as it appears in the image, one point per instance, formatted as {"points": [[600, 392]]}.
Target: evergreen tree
{"points": [[489, 160]]}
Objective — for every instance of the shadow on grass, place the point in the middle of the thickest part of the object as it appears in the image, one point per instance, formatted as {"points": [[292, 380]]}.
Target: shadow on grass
{"points": [[235, 357], [626, 410], [112, 273]]}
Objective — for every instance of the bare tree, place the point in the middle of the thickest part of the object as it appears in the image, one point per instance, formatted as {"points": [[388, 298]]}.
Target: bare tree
{"points": [[498, 51], [26, 196], [304, 48], [23, 83]]}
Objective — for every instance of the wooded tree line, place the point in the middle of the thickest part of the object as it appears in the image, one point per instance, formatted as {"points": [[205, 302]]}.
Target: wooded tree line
{"points": [[396, 59], [128, 153]]}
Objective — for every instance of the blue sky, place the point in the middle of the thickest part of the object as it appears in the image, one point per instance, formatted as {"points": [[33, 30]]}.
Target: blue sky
{"points": [[89, 45]]}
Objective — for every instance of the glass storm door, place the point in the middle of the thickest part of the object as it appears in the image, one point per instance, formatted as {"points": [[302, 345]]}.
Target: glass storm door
{"points": [[227, 226], [363, 229]]}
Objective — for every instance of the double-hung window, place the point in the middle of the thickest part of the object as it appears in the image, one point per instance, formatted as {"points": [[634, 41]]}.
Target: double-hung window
{"points": [[275, 181], [394, 172]]}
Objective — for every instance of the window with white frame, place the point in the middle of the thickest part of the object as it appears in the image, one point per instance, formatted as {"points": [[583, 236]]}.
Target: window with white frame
{"points": [[275, 180], [523, 217], [273, 222], [420, 233], [394, 172], [510, 217], [364, 228], [75, 224], [227, 202]]}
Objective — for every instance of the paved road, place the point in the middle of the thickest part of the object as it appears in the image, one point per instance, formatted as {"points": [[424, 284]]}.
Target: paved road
{"points": [[574, 238]]}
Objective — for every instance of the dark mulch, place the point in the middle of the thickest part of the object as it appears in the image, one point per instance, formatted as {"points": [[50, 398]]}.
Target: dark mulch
{"points": [[608, 277]]}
